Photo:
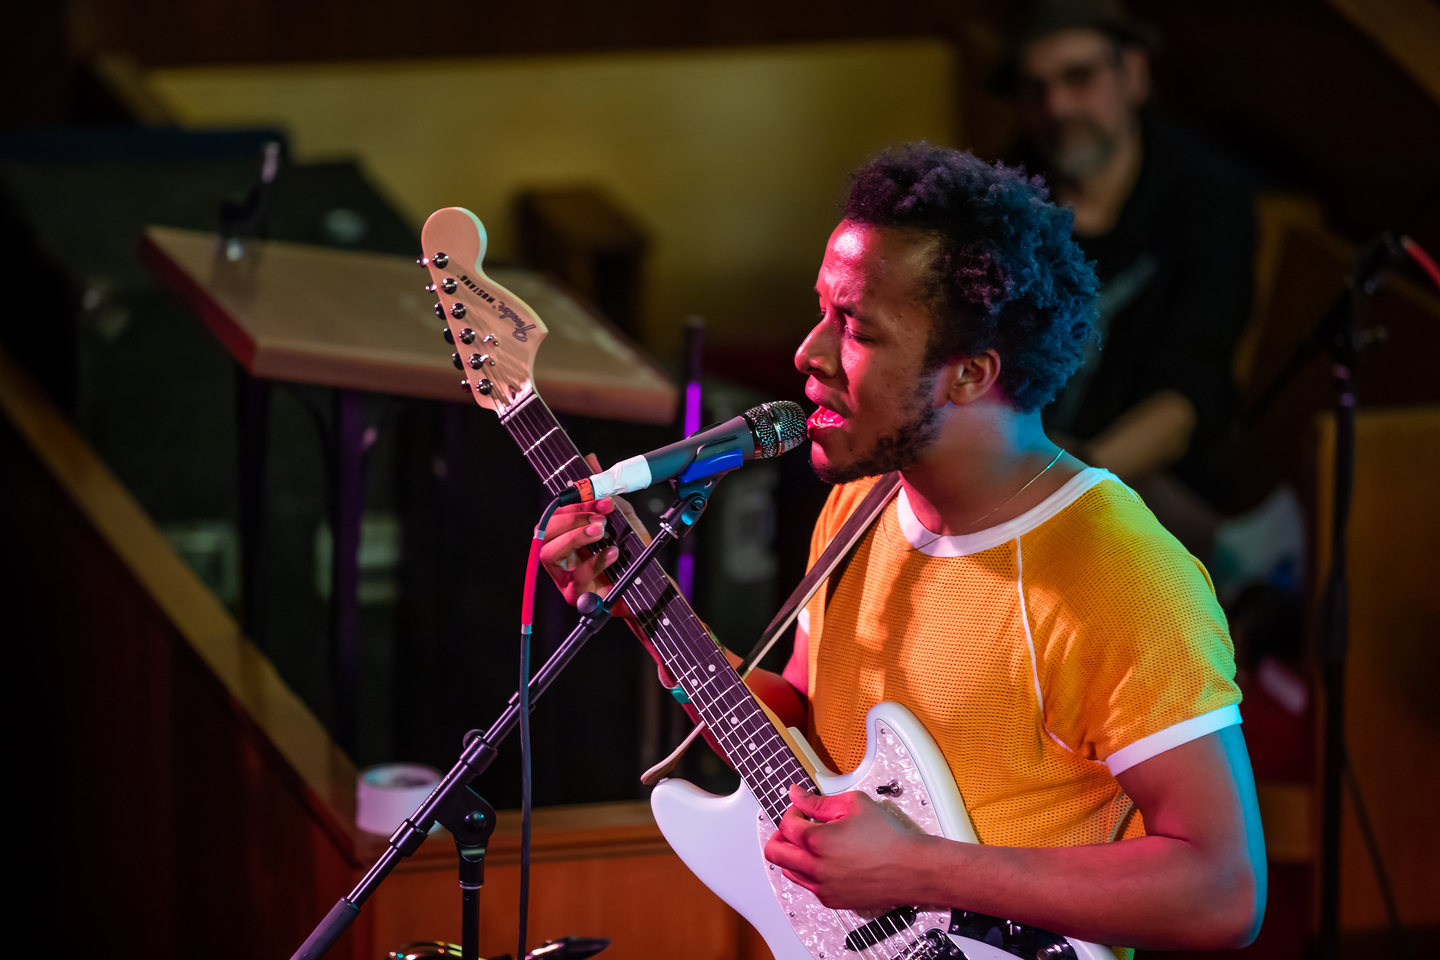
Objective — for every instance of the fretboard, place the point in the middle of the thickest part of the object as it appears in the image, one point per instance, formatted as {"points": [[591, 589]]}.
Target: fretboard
{"points": [[751, 742]]}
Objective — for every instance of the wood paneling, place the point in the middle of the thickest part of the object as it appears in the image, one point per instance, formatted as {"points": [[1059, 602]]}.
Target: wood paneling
{"points": [[1408, 30], [193, 794], [1392, 715], [1287, 814], [1296, 90], [598, 870]]}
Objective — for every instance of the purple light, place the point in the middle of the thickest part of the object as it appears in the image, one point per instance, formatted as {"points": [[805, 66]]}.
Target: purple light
{"points": [[686, 574], [692, 407]]}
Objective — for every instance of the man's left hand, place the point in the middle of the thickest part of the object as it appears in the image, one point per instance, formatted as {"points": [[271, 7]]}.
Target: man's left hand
{"points": [[847, 849]]}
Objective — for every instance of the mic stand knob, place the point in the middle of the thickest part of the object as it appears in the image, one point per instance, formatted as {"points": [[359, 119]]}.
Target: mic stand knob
{"points": [[471, 821]]}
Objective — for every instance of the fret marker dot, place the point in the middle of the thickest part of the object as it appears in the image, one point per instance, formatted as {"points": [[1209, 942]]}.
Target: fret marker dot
{"points": [[752, 746], [712, 668], [664, 621], [768, 771]]}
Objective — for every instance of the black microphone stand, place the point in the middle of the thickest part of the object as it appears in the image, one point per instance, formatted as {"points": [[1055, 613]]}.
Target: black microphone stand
{"points": [[1338, 333], [452, 803]]}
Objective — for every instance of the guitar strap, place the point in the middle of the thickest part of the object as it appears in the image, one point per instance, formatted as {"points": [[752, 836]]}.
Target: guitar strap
{"points": [[837, 550], [837, 554]]}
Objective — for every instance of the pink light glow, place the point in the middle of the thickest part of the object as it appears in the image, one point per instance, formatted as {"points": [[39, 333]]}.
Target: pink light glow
{"points": [[685, 574], [692, 407]]}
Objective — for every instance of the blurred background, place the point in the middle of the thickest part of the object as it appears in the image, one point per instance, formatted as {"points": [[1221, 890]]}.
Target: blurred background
{"points": [[655, 164]]}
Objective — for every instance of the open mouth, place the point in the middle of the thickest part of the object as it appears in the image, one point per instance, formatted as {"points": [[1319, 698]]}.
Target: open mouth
{"points": [[823, 419]]}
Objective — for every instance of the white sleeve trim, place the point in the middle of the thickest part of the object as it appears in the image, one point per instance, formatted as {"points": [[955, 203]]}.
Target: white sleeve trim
{"points": [[1172, 737]]}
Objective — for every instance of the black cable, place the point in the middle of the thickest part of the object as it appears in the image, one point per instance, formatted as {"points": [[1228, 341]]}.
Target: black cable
{"points": [[525, 785], [1377, 863], [525, 765]]}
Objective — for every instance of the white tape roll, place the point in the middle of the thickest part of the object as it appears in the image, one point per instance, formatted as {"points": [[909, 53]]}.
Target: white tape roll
{"points": [[387, 793]]}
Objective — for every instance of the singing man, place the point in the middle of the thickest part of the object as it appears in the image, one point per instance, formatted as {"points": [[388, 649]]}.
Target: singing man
{"points": [[1065, 652]]}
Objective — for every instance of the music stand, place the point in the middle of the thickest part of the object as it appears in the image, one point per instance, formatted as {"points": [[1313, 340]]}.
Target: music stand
{"points": [[358, 322]]}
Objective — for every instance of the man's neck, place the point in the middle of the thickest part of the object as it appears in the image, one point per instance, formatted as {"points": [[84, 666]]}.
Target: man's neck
{"points": [[975, 475], [1098, 197]]}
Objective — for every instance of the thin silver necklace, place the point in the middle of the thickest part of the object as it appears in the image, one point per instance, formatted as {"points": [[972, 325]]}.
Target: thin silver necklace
{"points": [[1007, 500]]}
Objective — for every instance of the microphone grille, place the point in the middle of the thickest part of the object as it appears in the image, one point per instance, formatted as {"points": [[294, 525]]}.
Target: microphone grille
{"points": [[779, 426]]}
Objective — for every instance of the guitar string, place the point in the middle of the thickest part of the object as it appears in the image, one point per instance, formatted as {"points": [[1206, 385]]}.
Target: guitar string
{"points": [[530, 434]]}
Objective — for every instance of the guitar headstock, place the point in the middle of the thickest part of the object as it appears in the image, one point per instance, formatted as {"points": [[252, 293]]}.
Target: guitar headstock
{"points": [[495, 333]]}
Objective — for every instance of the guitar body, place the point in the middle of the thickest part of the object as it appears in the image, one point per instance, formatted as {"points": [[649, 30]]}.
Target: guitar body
{"points": [[722, 839]]}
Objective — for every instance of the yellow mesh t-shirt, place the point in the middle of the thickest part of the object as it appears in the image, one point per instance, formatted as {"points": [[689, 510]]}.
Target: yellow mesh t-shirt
{"points": [[1044, 655]]}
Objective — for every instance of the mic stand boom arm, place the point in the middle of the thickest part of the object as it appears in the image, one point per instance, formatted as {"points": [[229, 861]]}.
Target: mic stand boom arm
{"points": [[452, 800]]}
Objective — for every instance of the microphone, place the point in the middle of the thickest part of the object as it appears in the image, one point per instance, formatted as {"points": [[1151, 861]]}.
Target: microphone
{"points": [[764, 431]]}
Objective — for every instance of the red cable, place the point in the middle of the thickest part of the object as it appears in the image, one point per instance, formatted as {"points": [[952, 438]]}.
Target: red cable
{"points": [[532, 567], [1422, 259]]}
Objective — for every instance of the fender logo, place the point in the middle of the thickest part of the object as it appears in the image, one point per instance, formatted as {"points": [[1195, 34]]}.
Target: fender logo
{"points": [[506, 313], [521, 327]]}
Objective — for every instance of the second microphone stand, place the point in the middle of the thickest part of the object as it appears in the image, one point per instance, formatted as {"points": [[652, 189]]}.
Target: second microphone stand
{"points": [[452, 803]]}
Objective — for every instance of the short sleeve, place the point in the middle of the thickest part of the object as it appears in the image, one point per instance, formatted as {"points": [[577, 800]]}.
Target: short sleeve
{"points": [[1132, 652]]}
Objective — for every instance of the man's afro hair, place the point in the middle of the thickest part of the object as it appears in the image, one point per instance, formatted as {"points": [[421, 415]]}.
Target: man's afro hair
{"points": [[1007, 276]]}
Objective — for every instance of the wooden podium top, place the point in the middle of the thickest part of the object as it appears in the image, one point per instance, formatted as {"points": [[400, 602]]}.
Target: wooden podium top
{"points": [[290, 311]]}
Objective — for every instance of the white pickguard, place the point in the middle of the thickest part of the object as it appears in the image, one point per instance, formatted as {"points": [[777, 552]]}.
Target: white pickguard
{"points": [[721, 839]]}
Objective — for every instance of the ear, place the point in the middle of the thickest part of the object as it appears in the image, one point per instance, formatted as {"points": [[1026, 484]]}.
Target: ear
{"points": [[967, 379], [1136, 64]]}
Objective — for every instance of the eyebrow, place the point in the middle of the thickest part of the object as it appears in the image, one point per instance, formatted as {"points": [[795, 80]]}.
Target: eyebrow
{"points": [[849, 308]]}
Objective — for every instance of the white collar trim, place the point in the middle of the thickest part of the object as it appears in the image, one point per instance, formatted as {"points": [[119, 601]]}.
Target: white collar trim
{"points": [[964, 544]]}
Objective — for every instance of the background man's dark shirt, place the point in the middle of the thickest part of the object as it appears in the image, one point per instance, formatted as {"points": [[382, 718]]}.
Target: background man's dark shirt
{"points": [[1176, 285]]}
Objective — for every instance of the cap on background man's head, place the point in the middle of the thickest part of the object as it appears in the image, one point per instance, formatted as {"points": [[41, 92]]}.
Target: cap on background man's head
{"points": [[1040, 18]]}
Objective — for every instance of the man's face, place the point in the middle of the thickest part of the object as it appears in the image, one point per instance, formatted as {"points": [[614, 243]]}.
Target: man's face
{"points": [[866, 356], [1079, 95]]}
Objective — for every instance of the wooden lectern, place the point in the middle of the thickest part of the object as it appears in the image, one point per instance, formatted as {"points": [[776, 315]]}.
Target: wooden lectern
{"points": [[362, 322]]}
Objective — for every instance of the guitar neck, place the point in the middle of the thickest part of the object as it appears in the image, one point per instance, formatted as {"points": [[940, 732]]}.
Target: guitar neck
{"points": [[750, 741]]}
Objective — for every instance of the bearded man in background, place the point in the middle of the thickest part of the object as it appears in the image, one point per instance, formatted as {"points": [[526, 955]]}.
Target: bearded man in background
{"points": [[1170, 226]]}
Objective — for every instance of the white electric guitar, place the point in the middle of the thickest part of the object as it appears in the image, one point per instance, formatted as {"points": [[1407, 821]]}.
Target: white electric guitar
{"points": [[721, 839]]}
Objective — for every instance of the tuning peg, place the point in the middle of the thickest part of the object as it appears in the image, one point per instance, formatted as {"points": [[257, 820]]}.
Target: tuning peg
{"points": [[423, 261], [439, 310], [429, 288], [455, 359], [448, 284], [485, 386], [467, 336], [458, 311], [489, 338], [440, 260], [465, 385], [449, 337]]}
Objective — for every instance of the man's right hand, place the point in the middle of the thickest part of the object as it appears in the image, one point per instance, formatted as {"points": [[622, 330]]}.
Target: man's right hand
{"points": [[575, 527]]}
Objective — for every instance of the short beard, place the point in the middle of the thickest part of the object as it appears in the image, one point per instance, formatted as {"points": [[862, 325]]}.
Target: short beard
{"points": [[1080, 157], [898, 449]]}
